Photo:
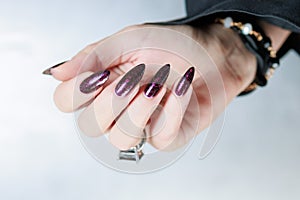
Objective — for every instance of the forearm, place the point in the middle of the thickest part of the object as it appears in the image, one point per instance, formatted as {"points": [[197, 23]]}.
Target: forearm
{"points": [[239, 64], [277, 35]]}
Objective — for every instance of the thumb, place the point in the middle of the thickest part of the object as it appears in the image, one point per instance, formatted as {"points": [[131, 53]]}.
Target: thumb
{"points": [[109, 52]]}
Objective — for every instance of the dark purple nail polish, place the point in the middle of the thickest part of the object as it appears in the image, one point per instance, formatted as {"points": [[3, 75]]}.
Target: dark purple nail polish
{"points": [[48, 71], [94, 82], [185, 82], [130, 80], [157, 81]]}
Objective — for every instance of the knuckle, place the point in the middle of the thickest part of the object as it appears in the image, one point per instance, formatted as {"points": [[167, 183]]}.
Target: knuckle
{"points": [[60, 101], [87, 123], [132, 27], [162, 140], [120, 145]]}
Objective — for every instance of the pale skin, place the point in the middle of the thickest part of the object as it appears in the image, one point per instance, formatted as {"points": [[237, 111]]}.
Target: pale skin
{"points": [[235, 67]]}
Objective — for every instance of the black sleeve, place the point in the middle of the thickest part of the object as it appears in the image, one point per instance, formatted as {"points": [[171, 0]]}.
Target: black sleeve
{"points": [[282, 13]]}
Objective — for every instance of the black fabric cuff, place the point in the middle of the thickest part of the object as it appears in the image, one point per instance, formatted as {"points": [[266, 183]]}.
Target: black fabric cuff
{"points": [[285, 14]]}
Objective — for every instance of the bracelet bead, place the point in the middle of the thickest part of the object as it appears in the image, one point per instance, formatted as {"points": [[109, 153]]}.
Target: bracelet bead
{"points": [[258, 44]]}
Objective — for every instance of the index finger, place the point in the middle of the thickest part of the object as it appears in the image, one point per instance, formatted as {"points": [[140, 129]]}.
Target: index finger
{"points": [[109, 52]]}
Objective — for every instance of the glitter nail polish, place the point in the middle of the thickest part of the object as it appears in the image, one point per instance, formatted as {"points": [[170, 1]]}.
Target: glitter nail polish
{"points": [[130, 80], [185, 82], [94, 82], [157, 81], [48, 71]]}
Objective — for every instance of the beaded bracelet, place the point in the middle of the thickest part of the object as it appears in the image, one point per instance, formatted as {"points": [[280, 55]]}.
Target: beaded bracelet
{"points": [[260, 45]]}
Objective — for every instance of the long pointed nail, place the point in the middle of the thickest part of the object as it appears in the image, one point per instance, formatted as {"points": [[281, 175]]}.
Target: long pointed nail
{"points": [[94, 82], [185, 82], [130, 80], [48, 71], [157, 81]]}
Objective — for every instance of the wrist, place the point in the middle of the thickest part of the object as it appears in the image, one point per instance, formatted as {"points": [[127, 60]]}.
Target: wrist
{"points": [[236, 63], [260, 45]]}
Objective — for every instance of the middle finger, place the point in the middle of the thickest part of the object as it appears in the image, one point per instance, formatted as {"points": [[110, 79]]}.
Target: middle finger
{"points": [[128, 128]]}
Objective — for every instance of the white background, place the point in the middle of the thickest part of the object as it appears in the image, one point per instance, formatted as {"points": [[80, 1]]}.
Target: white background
{"points": [[41, 156]]}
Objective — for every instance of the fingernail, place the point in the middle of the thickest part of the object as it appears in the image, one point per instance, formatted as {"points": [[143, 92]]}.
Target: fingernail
{"points": [[94, 82], [185, 82], [130, 80], [157, 81], [48, 71]]}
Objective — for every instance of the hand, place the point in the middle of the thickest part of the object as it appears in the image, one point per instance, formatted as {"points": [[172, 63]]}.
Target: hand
{"points": [[223, 68]]}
